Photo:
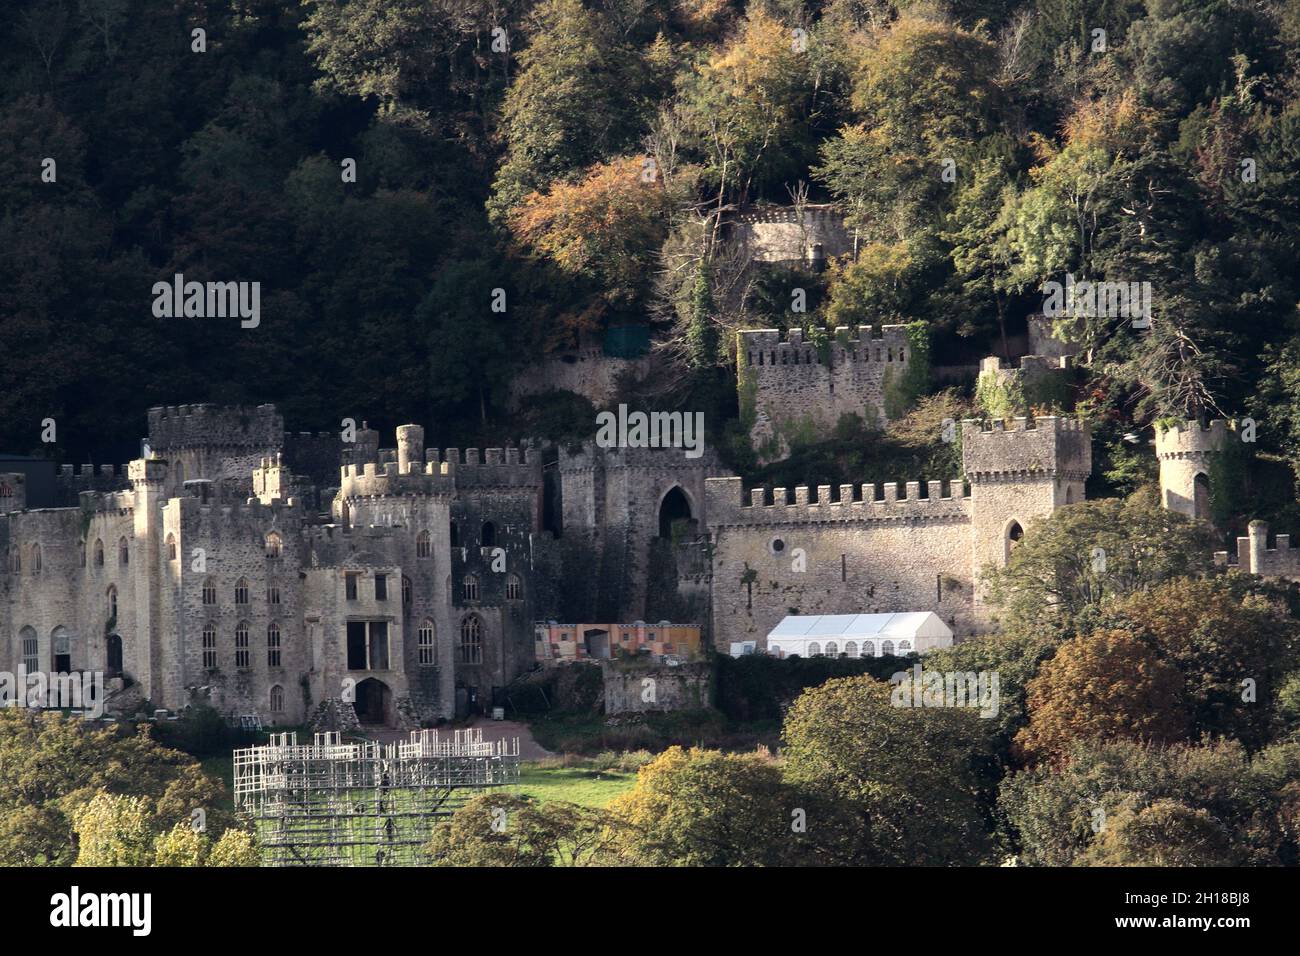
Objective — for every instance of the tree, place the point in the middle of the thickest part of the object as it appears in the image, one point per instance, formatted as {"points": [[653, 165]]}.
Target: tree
{"points": [[234, 848], [926, 93], [1164, 833], [56, 766], [1051, 816], [747, 110], [182, 845], [502, 830], [571, 59], [607, 227], [1220, 635], [706, 808], [1074, 560], [1105, 686], [894, 785], [113, 831]]}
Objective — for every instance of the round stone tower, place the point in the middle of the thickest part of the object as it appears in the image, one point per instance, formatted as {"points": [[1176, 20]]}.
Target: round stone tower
{"points": [[410, 448], [1185, 451]]}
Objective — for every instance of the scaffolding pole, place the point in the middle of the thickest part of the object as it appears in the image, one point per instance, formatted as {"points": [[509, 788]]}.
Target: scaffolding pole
{"points": [[362, 804]]}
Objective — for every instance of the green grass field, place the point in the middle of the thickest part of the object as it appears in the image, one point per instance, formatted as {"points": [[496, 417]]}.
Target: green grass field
{"points": [[582, 785]]}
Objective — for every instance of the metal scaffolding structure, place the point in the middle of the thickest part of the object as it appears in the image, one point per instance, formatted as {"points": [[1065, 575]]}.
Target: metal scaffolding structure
{"points": [[362, 804]]}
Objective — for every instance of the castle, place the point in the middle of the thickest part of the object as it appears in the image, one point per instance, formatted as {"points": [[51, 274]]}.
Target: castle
{"points": [[218, 570], [303, 578]]}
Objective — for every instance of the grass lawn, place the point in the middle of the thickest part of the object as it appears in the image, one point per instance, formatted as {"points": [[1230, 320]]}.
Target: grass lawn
{"points": [[223, 768], [583, 785]]}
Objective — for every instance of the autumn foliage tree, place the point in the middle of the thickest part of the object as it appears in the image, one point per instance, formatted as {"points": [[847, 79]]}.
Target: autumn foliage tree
{"points": [[606, 227], [1108, 685]]}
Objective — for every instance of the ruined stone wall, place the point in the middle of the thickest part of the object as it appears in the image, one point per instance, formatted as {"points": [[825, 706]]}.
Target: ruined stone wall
{"points": [[588, 372], [778, 235], [791, 389], [640, 689]]}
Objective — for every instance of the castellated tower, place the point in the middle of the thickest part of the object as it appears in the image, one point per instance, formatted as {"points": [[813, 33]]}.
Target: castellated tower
{"points": [[1019, 471], [1185, 451], [790, 388]]}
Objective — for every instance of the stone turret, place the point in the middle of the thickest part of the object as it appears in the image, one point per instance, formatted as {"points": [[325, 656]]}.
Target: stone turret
{"points": [[1186, 451], [410, 448], [1019, 471]]}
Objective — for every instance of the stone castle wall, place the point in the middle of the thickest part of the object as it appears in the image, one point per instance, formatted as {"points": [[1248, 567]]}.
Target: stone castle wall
{"points": [[778, 235], [791, 388]]}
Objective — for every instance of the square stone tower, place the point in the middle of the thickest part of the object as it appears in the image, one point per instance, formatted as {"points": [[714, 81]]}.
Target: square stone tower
{"points": [[1019, 470]]}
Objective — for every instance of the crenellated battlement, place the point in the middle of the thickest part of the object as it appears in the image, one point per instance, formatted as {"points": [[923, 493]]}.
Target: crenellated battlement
{"points": [[411, 469], [218, 426], [793, 388], [281, 515], [889, 344], [1254, 556], [1192, 439], [1051, 446], [873, 501]]}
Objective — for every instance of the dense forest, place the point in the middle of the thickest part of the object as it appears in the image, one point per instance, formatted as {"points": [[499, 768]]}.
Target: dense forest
{"points": [[576, 161]]}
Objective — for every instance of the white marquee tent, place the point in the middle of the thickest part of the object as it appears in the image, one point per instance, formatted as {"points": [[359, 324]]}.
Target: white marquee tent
{"points": [[858, 635]]}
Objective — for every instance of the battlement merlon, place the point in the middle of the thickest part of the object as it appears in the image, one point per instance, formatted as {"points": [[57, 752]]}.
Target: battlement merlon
{"points": [[492, 468], [869, 501], [151, 471], [223, 426], [1191, 439], [1051, 447], [775, 339], [1254, 556]]}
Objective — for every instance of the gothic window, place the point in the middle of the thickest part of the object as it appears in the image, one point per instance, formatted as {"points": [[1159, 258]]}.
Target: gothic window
{"points": [[31, 650], [514, 588], [1014, 534], [61, 648], [423, 545], [428, 650], [408, 591], [489, 536], [15, 559], [241, 645], [273, 645], [274, 545], [469, 590], [36, 559], [171, 547], [471, 640], [99, 553], [272, 593], [210, 646], [111, 594], [209, 592], [123, 553], [83, 552], [241, 591], [277, 699]]}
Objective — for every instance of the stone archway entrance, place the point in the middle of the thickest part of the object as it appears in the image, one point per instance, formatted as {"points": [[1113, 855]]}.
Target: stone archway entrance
{"points": [[374, 702], [675, 507], [113, 662]]}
